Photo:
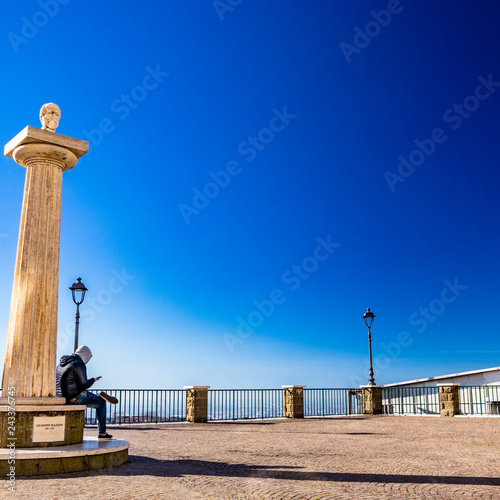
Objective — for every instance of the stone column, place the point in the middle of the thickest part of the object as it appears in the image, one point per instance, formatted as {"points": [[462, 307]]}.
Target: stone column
{"points": [[372, 399], [293, 399], [30, 357], [31, 416], [449, 403], [197, 403]]}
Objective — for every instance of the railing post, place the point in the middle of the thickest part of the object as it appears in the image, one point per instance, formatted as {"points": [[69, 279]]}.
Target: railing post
{"points": [[120, 409], [234, 403], [293, 400], [372, 399], [156, 407], [449, 404], [196, 403]]}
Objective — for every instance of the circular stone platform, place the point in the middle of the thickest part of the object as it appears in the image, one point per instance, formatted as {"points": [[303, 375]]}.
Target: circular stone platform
{"points": [[92, 454]]}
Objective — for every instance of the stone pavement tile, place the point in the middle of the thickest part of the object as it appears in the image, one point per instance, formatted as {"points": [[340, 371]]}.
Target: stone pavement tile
{"points": [[357, 457]]}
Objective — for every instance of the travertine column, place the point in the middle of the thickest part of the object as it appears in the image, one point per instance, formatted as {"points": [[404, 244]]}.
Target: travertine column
{"points": [[293, 401], [30, 358]]}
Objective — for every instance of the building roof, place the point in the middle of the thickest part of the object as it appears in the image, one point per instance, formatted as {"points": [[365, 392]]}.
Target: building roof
{"points": [[441, 377]]}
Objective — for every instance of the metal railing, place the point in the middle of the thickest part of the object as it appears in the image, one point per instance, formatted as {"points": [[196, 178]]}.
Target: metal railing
{"points": [[324, 402], [154, 406], [410, 400], [169, 405], [479, 399], [143, 405], [236, 404]]}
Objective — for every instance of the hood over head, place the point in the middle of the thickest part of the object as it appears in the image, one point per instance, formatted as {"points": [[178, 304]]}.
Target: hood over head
{"points": [[84, 352], [68, 358]]}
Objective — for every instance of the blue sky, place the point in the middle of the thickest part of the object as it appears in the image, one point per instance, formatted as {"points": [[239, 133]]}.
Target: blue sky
{"points": [[260, 173]]}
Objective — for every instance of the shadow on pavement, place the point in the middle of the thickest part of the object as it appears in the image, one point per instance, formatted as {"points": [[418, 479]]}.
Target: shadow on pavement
{"points": [[145, 466]]}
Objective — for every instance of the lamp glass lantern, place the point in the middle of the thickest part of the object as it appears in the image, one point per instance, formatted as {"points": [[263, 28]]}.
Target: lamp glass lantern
{"points": [[368, 318], [78, 290]]}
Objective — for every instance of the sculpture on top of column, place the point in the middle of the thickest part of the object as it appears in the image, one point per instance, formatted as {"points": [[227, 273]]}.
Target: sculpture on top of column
{"points": [[50, 114]]}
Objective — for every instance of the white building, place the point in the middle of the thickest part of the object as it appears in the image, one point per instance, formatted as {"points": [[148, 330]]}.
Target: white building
{"points": [[488, 376], [479, 393]]}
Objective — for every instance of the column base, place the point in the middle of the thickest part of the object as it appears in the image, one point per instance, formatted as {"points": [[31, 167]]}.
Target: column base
{"points": [[91, 454], [52, 401], [41, 426]]}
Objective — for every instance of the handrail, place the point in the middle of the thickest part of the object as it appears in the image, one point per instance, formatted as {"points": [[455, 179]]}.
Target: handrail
{"points": [[143, 406], [169, 405]]}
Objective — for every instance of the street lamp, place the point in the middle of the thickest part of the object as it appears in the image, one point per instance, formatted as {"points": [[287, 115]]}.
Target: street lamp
{"points": [[369, 318], [78, 292]]}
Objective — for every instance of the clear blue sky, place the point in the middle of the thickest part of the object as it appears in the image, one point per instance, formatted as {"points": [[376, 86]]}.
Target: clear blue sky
{"points": [[260, 174]]}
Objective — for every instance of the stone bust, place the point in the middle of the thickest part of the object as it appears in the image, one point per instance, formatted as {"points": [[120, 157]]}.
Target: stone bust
{"points": [[49, 116]]}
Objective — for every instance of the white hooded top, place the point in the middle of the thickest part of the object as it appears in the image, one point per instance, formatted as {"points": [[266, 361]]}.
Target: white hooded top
{"points": [[85, 353]]}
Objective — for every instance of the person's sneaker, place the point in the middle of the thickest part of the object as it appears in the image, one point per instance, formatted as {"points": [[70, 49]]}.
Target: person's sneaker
{"points": [[104, 436], [108, 398]]}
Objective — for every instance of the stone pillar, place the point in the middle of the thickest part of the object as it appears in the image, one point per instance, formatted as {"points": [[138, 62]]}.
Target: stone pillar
{"points": [[31, 416], [30, 357], [197, 403], [372, 399], [293, 399], [449, 403]]}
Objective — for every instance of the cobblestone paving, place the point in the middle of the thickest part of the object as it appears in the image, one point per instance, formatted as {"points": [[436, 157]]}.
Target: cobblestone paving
{"points": [[342, 458]]}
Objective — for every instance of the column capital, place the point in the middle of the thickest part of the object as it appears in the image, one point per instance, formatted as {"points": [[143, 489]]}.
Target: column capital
{"points": [[33, 135], [29, 155]]}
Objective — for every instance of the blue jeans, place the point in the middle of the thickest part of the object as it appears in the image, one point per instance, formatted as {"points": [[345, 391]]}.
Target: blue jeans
{"points": [[94, 401]]}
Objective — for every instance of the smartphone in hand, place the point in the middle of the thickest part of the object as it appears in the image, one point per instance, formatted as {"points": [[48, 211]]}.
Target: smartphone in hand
{"points": [[97, 378]]}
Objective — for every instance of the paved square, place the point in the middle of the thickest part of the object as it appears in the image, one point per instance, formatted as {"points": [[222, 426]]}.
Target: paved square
{"points": [[359, 457]]}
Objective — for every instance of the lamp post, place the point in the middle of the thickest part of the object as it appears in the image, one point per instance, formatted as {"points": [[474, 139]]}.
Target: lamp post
{"points": [[369, 317], [78, 292]]}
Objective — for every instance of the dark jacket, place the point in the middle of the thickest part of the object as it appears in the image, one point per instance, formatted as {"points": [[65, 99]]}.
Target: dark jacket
{"points": [[71, 377]]}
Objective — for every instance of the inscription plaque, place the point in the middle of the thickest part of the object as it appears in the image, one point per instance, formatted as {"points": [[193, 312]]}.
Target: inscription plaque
{"points": [[48, 429]]}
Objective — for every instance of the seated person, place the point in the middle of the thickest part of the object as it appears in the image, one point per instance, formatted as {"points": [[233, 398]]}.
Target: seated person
{"points": [[72, 384]]}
